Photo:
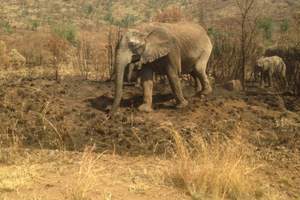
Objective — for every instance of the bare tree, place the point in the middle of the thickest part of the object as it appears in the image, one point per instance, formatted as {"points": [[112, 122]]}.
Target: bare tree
{"points": [[82, 56], [58, 47], [247, 25]]}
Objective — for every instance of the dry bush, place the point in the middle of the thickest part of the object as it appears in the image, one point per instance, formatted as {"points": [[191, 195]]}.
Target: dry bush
{"points": [[224, 63], [288, 48], [89, 57], [80, 58], [224, 59], [17, 176], [40, 48], [85, 179], [170, 15], [35, 51], [16, 60], [4, 59], [58, 48], [220, 170]]}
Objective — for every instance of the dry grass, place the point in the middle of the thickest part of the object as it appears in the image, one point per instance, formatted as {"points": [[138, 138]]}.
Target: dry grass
{"points": [[14, 177], [85, 179], [18, 171], [216, 171]]}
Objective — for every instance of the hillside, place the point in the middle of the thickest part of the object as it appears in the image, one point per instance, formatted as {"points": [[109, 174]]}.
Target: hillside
{"points": [[22, 14]]}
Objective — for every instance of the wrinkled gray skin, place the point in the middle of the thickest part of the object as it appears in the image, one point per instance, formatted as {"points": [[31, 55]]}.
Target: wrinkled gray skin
{"points": [[133, 75], [164, 48], [269, 67]]}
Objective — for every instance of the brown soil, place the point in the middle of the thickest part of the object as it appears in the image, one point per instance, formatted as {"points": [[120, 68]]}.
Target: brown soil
{"points": [[45, 114]]}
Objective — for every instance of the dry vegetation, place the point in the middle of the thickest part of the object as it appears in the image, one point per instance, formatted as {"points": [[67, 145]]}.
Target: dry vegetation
{"points": [[56, 141], [218, 171]]}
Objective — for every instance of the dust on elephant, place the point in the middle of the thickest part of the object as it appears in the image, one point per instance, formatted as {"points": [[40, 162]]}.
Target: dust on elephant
{"points": [[267, 68], [133, 75], [163, 48]]}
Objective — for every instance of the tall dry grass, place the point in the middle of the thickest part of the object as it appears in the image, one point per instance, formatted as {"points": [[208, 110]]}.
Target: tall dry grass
{"points": [[222, 170], [85, 178]]}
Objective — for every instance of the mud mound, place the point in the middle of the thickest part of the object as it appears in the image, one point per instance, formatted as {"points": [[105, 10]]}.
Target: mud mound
{"points": [[275, 102], [42, 113], [47, 114], [292, 103]]}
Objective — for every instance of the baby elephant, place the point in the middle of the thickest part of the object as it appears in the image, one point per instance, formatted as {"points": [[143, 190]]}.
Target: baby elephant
{"points": [[267, 68]]}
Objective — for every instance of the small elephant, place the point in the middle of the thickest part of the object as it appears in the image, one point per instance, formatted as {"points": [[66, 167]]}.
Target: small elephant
{"points": [[268, 67], [133, 75], [163, 48]]}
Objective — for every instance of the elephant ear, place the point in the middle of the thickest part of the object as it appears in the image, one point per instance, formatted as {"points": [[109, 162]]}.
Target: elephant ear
{"points": [[261, 62], [158, 44]]}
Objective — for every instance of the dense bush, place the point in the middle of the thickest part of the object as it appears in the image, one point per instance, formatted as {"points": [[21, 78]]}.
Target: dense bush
{"points": [[171, 15], [267, 26], [66, 31], [5, 26]]}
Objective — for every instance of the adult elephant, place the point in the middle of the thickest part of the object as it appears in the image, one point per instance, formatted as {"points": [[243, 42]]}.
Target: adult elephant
{"points": [[268, 67], [163, 48]]}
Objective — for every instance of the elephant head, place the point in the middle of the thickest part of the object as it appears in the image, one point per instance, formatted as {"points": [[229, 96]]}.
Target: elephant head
{"points": [[258, 68], [138, 47]]}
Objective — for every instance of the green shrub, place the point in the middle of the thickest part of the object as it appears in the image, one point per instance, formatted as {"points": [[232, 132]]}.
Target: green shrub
{"points": [[5, 26], [66, 31], [109, 15], [88, 9], [267, 26], [34, 24], [284, 26], [127, 21], [109, 18]]}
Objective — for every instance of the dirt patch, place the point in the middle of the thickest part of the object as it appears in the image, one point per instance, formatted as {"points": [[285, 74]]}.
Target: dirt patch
{"points": [[42, 113], [73, 113]]}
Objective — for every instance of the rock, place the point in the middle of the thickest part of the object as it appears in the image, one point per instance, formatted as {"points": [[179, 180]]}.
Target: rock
{"points": [[233, 85]]}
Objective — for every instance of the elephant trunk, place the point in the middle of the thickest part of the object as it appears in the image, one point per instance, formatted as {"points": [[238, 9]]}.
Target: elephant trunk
{"points": [[122, 60]]}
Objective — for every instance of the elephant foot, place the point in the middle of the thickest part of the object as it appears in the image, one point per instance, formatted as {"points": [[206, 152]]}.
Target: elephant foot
{"points": [[198, 90], [206, 91], [182, 104], [145, 108]]}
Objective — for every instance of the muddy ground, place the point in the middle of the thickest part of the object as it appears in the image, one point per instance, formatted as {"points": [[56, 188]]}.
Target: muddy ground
{"points": [[70, 114]]}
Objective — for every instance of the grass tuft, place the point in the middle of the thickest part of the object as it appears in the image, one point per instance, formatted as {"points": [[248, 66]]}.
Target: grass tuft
{"points": [[85, 179], [214, 171]]}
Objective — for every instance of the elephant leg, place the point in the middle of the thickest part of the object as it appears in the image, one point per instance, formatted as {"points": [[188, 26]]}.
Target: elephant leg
{"points": [[286, 85], [147, 83], [200, 71], [264, 78], [176, 86], [138, 82], [198, 85], [270, 79], [261, 79], [164, 79]]}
